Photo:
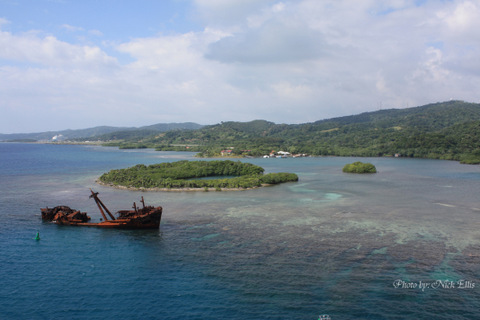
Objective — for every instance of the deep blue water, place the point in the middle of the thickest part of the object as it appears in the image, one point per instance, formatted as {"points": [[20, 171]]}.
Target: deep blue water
{"points": [[351, 246]]}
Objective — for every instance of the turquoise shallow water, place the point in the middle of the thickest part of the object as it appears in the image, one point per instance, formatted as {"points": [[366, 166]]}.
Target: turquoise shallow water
{"points": [[351, 246]]}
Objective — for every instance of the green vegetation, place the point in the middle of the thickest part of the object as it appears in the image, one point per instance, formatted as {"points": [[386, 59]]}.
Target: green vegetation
{"points": [[359, 167], [22, 140], [184, 174], [102, 133], [448, 130], [470, 159]]}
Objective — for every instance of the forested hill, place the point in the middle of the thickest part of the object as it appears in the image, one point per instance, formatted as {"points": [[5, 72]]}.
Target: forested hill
{"points": [[447, 130], [102, 132], [431, 117]]}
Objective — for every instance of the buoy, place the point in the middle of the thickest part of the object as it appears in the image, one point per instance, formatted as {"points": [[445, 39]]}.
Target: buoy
{"points": [[37, 237]]}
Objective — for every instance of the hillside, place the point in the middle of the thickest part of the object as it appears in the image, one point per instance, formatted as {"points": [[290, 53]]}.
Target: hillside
{"points": [[447, 130], [103, 132]]}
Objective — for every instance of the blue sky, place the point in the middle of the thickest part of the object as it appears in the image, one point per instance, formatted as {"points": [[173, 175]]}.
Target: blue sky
{"points": [[71, 64], [116, 20]]}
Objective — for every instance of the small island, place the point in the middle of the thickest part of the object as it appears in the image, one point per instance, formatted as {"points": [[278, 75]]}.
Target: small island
{"points": [[359, 167], [194, 176]]}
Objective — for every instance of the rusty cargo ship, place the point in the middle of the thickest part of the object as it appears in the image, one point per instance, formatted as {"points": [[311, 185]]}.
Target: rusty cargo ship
{"points": [[144, 217]]}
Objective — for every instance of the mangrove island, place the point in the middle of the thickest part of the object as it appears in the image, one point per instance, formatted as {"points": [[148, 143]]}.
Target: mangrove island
{"points": [[194, 176], [359, 167]]}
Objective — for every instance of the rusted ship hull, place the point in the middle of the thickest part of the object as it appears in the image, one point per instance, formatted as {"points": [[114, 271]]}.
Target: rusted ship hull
{"points": [[146, 217], [151, 221]]}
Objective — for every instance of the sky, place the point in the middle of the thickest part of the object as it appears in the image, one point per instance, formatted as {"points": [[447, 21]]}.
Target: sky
{"points": [[74, 64]]}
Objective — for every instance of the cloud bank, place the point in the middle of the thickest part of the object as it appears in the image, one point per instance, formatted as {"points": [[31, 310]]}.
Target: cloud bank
{"points": [[283, 61]]}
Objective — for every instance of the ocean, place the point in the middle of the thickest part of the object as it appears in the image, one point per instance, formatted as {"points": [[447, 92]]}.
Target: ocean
{"points": [[400, 244]]}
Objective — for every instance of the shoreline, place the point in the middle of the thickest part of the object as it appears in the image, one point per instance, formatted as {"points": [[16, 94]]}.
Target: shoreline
{"points": [[176, 189]]}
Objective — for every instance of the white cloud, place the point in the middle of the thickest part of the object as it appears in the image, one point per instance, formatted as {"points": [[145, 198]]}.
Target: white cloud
{"points": [[163, 52], [228, 13], [283, 61], [272, 43], [48, 50], [71, 28], [3, 21], [431, 69], [464, 18], [461, 24], [96, 33], [297, 92]]}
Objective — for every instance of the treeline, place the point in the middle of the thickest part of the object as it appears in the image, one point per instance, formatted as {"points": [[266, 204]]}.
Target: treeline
{"points": [[184, 174], [448, 130]]}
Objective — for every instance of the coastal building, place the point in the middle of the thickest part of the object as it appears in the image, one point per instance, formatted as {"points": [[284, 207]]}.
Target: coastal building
{"points": [[226, 152]]}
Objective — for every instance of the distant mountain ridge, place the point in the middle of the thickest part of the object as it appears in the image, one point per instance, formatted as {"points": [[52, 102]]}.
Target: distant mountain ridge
{"points": [[446, 130], [96, 131]]}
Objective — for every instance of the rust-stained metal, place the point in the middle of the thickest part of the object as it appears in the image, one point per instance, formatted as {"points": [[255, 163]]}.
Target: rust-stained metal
{"points": [[100, 205], [64, 213], [147, 217]]}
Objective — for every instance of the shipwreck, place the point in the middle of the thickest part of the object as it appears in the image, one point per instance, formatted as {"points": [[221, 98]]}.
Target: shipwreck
{"points": [[144, 217]]}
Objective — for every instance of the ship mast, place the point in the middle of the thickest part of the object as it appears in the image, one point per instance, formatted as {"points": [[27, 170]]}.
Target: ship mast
{"points": [[101, 205]]}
